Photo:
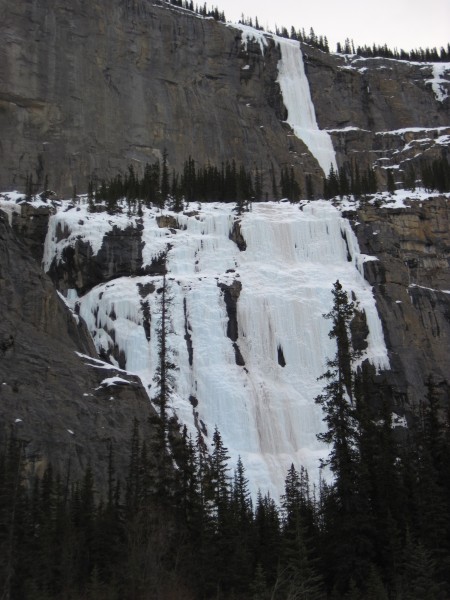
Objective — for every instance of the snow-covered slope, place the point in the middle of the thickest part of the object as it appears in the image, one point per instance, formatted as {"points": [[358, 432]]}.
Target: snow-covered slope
{"points": [[265, 412]]}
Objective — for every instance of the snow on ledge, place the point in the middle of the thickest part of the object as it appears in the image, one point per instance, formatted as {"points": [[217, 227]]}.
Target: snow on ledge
{"points": [[101, 364], [422, 287], [412, 130], [110, 381]]}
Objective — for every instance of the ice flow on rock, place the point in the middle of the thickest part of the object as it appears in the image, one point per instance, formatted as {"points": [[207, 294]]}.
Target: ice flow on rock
{"points": [[258, 386]]}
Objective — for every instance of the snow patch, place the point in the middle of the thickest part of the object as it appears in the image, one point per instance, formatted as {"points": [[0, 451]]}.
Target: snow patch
{"points": [[398, 421], [110, 381]]}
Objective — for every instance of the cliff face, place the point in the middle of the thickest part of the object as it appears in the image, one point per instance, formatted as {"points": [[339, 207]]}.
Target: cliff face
{"points": [[54, 392], [411, 282], [87, 89]]}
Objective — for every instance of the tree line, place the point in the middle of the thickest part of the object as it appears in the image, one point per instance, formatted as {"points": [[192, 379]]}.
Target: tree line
{"points": [[432, 175], [209, 183], [230, 183], [321, 42], [348, 180], [348, 47], [202, 10], [183, 525], [383, 51], [159, 187]]}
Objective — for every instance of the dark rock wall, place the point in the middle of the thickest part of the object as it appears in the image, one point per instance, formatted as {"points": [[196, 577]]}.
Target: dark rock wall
{"points": [[411, 282], [47, 390], [87, 88]]}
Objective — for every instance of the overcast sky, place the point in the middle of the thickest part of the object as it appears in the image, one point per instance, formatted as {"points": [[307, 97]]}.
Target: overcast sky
{"points": [[403, 24]]}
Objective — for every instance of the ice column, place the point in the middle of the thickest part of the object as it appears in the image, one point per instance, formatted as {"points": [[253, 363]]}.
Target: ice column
{"points": [[297, 99]]}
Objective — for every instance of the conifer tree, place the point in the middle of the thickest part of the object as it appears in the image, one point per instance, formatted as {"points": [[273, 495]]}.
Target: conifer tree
{"points": [[298, 576], [165, 185], [164, 385], [267, 540], [390, 181], [220, 480], [349, 546]]}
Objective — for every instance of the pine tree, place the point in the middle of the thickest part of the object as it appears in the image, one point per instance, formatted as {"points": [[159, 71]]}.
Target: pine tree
{"points": [[258, 587], [390, 184], [349, 546], [220, 480], [241, 530], [163, 379], [298, 576], [259, 184], [267, 538], [165, 185], [344, 187], [419, 573]]}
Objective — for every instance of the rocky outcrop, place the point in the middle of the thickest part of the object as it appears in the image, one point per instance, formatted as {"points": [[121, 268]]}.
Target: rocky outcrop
{"points": [[55, 394], [120, 255], [237, 237], [88, 89], [373, 94], [380, 112], [31, 226], [411, 282], [231, 295]]}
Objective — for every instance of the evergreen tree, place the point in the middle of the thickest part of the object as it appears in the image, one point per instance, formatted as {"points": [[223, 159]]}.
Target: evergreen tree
{"points": [[298, 576], [390, 184], [219, 478], [409, 178], [267, 540], [309, 187], [164, 386], [165, 185], [344, 187], [349, 545]]}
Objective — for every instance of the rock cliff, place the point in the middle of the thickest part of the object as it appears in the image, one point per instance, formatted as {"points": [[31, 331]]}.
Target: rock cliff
{"points": [[54, 392], [411, 282], [88, 89]]}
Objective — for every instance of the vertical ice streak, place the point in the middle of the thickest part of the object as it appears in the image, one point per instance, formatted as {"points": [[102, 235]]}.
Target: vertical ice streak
{"points": [[297, 99], [438, 82]]}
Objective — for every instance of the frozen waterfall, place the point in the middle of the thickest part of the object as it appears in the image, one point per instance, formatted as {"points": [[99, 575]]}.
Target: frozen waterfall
{"points": [[296, 93], [265, 410], [297, 99]]}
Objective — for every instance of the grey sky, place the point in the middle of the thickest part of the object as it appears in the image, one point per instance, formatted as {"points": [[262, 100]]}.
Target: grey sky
{"points": [[398, 23]]}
